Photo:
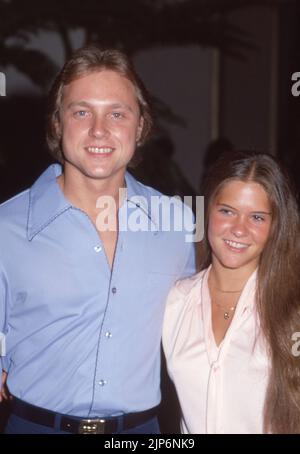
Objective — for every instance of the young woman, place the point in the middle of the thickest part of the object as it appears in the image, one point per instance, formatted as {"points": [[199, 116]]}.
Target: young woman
{"points": [[228, 330]]}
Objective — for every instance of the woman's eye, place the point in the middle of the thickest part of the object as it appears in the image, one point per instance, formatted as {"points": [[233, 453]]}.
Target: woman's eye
{"points": [[258, 218], [225, 211]]}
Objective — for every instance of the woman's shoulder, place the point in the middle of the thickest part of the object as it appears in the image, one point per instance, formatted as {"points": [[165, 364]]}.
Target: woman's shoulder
{"points": [[183, 287], [186, 285], [181, 302]]}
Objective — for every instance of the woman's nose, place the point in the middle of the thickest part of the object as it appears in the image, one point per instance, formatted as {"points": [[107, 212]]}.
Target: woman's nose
{"points": [[239, 227]]}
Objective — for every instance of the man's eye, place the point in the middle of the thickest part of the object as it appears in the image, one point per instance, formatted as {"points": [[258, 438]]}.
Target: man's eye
{"points": [[117, 115], [81, 113]]}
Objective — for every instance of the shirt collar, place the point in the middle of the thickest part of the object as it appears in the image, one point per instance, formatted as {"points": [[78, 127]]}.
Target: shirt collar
{"points": [[47, 201]]}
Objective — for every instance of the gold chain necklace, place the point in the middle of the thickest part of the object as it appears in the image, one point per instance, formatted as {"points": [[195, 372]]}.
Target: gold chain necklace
{"points": [[228, 291], [227, 312]]}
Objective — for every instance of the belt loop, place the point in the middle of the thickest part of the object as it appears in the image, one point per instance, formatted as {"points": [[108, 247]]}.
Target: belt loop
{"points": [[57, 421]]}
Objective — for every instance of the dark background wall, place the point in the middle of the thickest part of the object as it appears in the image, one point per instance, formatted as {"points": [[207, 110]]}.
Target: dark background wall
{"points": [[218, 71], [221, 71]]}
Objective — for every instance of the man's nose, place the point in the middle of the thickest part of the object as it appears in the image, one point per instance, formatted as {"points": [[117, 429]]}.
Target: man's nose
{"points": [[98, 127], [239, 227]]}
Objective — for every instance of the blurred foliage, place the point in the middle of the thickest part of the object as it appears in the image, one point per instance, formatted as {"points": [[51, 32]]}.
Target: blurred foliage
{"points": [[132, 25], [288, 130]]}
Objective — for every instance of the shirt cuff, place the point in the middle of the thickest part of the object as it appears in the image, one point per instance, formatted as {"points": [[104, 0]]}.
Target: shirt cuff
{"points": [[4, 363]]}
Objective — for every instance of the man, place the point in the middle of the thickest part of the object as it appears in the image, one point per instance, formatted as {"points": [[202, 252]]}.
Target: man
{"points": [[86, 266]]}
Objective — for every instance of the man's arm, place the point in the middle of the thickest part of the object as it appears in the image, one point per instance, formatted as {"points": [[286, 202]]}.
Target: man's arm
{"points": [[4, 393], [190, 266]]}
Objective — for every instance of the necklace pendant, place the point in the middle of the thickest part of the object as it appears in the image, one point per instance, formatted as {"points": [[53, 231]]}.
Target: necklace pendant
{"points": [[226, 315]]}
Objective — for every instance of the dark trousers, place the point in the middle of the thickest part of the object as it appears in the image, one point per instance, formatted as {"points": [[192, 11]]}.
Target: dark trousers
{"points": [[17, 425]]}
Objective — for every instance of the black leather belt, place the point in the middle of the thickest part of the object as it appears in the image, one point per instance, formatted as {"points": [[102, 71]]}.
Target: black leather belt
{"points": [[76, 425]]}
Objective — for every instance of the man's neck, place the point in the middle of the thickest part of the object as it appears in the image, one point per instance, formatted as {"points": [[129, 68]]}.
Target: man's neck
{"points": [[84, 193]]}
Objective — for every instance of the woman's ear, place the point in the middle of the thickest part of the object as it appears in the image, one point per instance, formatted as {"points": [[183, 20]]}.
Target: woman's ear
{"points": [[57, 125]]}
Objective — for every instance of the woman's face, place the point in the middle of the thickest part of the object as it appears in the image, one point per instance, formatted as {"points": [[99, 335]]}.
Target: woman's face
{"points": [[239, 225]]}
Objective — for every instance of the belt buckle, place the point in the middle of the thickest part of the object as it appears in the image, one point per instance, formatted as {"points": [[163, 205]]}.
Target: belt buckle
{"points": [[91, 426]]}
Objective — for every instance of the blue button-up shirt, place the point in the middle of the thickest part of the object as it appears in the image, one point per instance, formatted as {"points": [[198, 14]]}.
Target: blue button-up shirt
{"points": [[82, 338]]}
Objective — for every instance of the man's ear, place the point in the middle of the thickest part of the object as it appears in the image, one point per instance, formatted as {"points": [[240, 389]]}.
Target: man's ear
{"points": [[57, 125], [140, 130]]}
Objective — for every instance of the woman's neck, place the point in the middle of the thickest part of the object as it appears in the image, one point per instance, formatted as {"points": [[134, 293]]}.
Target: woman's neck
{"points": [[228, 279]]}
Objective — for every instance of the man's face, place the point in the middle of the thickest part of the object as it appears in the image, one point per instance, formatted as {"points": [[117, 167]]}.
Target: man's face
{"points": [[100, 123]]}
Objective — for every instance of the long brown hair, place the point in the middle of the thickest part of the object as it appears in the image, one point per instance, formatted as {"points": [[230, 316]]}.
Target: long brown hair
{"points": [[83, 62], [278, 283]]}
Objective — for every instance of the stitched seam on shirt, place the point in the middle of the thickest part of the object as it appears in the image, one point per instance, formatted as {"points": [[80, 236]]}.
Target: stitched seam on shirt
{"points": [[145, 212], [100, 343], [36, 232]]}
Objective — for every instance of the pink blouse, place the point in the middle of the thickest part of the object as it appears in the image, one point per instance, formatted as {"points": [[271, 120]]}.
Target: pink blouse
{"points": [[222, 388]]}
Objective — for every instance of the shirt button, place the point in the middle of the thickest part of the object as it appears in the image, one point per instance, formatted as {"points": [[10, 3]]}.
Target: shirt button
{"points": [[108, 335], [114, 290], [97, 248], [102, 382]]}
